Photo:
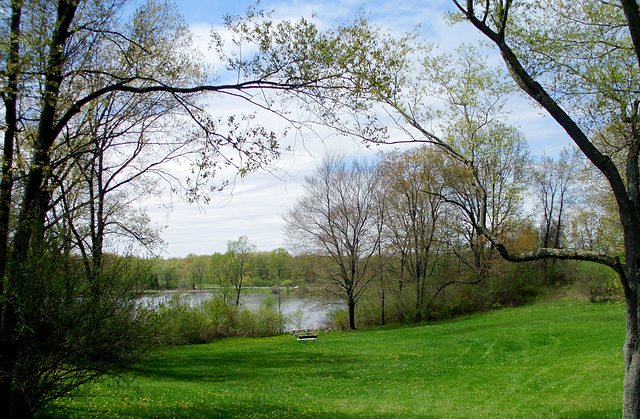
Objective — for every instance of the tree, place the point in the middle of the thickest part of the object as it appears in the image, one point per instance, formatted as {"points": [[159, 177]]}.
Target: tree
{"points": [[196, 267], [414, 206], [279, 261], [487, 160], [555, 184], [580, 63], [218, 271], [595, 224], [75, 74], [239, 253], [336, 219], [486, 184]]}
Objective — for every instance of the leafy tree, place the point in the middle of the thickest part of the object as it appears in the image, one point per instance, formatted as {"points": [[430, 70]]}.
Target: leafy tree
{"points": [[279, 265], [196, 267], [218, 271], [88, 88], [414, 207], [305, 269], [595, 224], [239, 253], [260, 268], [579, 62], [486, 186]]}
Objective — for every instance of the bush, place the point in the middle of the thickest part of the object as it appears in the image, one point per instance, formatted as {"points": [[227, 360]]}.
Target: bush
{"points": [[597, 283], [266, 321], [297, 318], [65, 328], [338, 320], [521, 284], [455, 301], [221, 316], [368, 311], [177, 323]]}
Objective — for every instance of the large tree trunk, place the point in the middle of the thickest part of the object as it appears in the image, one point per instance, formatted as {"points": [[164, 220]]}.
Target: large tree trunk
{"points": [[6, 186], [631, 387], [351, 303], [34, 204], [10, 97], [631, 350]]}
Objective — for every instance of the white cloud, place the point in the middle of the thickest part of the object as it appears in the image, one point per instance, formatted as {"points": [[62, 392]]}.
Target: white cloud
{"points": [[255, 205]]}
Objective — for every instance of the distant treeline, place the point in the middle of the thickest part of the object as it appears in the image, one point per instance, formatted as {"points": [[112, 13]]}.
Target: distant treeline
{"points": [[262, 269]]}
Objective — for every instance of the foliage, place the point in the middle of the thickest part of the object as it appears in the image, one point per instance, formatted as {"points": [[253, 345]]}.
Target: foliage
{"points": [[338, 319], [74, 329], [266, 321], [414, 210], [597, 283], [239, 252], [178, 322]]}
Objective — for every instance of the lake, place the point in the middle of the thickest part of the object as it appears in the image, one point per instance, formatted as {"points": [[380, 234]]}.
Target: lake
{"points": [[313, 317]]}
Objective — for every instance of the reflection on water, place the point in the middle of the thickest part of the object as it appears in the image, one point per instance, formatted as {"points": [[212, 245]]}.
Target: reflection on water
{"points": [[312, 316]]}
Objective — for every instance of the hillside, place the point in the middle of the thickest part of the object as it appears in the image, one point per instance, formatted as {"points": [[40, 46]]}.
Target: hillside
{"points": [[556, 359]]}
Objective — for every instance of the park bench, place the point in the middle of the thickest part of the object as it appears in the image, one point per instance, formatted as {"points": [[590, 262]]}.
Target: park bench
{"points": [[305, 334]]}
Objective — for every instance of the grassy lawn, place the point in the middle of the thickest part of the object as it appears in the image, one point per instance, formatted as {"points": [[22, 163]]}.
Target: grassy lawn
{"points": [[560, 359]]}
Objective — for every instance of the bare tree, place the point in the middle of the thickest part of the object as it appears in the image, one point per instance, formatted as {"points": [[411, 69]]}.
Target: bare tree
{"points": [[555, 184], [336, 219]]}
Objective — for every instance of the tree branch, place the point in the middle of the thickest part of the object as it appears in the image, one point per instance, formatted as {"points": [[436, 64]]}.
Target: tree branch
{"points": [[565, 254], [538, 93], [632, 14]]}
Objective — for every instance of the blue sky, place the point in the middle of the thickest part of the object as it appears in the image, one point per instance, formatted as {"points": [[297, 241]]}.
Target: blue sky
{"points": [[410, 12], [255, 205]]}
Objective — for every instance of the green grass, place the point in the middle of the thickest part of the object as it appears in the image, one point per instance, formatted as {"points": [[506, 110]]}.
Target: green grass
{"points": [[560, 359]]}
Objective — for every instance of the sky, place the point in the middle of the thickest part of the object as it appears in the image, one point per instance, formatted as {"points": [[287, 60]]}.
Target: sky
{"points": [[254, 206]]}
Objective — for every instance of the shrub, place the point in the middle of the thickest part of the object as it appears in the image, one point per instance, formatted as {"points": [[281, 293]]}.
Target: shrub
{"points": [[519, 285], [66, 328], [597, 282], [266, 321], [221, 316], [177, 323], [297, 318], [368, 311], [338, 319]]}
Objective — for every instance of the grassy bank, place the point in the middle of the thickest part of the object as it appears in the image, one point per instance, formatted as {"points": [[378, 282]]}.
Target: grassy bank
{"points": [[560, 359]]}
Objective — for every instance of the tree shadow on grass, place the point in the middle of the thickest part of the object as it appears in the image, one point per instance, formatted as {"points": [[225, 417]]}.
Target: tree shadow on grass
{"points": [[238, 364]]}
